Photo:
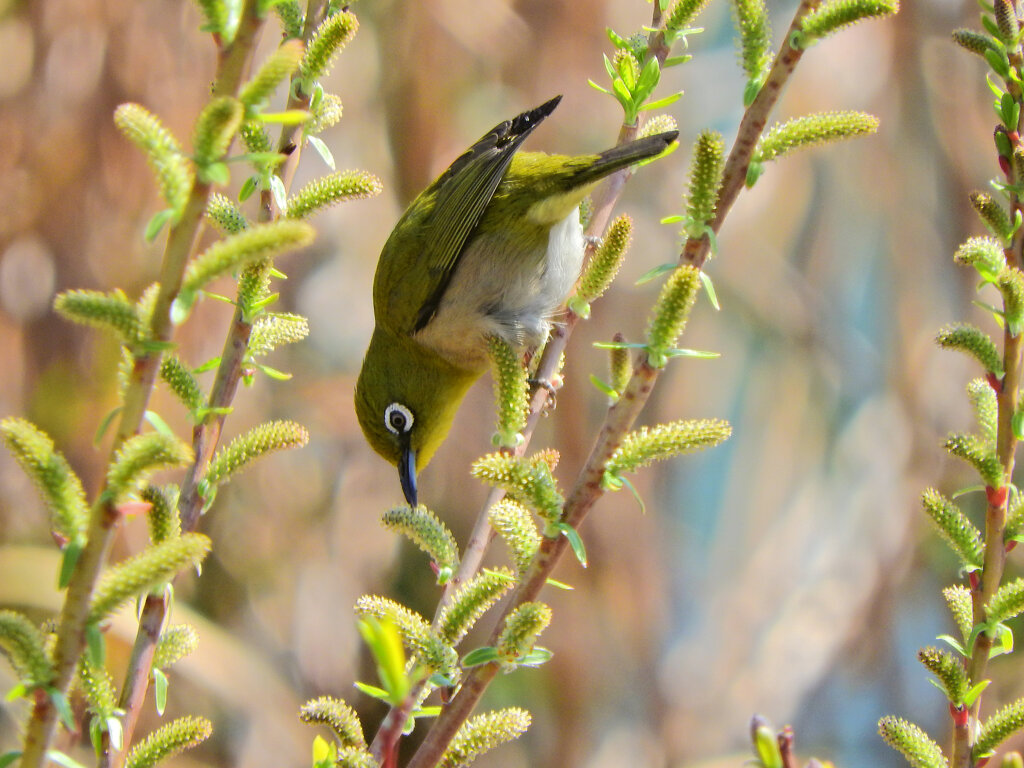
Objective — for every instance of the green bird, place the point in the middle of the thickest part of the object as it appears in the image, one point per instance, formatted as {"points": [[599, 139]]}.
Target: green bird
{"points": [[491, 248]]}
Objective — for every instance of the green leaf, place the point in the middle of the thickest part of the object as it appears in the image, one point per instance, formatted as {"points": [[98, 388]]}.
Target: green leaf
{"points": [[278, 191], [703, 355], [323, 150], [17, 691], [479, 656], [105, 424], [209, 365], [95, 645], [373, 691], [975, 692], [535, 658], [69, 557], [160, 690], [385, 643], [1017, 423], [709, 289], [60, 703], [657, 271], [216, 173], [559, 585], [156, 223], [249, 186], [273, 372], [573, 536], [602, 387], [158, 423], [663, 102], [9, 757], [952, 641], [62, 759]]}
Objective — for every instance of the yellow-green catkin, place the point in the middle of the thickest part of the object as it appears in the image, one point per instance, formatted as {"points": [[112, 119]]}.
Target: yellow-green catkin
{"points": [[705, 179], [110, 311], [429, 648], [142, 455], [248, 247], [24, 645], [530, 482], [271, 330], [1011, 285], [163, 152], [327, 42], [958, 600], [664, 441], [334, 188], [150, 568], [671, 312], [999, 727], [811, 130], [683, 12], [751, 18], [620, 365], [176, 642], [948, 670], [834, 15], [993, 215], [257, 442], [979, 454], [603, 266], [912, 742], [275, 69], [973, 41], [522, 627], [511, 392], [168, 740], [514, 524], [338, 716], [954, 526], [986, 407], [164, 520], [985, 254], [225, 215], [58, 485], [181, 382], [427, 532], [482, 733], [1007, 602], [973, 341], [471, 601], [216, 128]]}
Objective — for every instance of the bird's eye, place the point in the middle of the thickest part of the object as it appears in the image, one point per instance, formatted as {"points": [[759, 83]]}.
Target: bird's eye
{"points": [[398, 419]]}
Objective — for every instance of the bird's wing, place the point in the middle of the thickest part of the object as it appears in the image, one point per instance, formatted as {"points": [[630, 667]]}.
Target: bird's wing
{"points": [[463, 192]]}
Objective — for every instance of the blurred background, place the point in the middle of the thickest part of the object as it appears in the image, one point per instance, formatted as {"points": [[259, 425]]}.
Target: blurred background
{"points": [[789, 572]]}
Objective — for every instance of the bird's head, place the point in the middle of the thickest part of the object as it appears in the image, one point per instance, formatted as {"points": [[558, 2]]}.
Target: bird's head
{"points": [[406, 398]]}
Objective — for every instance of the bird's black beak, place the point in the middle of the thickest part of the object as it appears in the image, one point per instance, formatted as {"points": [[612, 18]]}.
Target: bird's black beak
{"points": [[407, 474]]}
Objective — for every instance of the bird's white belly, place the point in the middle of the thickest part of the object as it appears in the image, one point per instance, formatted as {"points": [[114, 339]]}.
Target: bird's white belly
{"points": [[500, 291]]}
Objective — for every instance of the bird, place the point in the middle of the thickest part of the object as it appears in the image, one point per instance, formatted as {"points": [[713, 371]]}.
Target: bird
{"points": [[492, 247]]}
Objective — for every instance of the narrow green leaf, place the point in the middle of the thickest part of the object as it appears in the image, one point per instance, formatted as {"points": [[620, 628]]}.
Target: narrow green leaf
{"points": [[160, 690], [323, 150], [480, 656], [157, 222]]}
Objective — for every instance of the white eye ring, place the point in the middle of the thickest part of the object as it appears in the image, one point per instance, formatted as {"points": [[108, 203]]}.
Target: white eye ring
{"points": [[398, 419]]}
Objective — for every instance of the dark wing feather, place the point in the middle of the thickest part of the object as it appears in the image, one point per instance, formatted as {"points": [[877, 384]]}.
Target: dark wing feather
{"points": [[463, 192]]}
